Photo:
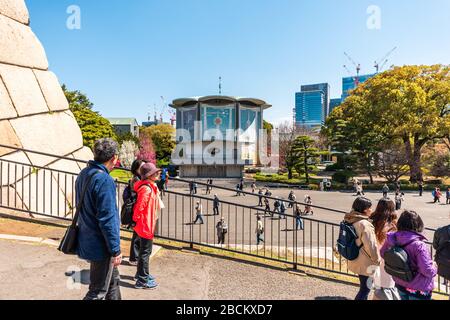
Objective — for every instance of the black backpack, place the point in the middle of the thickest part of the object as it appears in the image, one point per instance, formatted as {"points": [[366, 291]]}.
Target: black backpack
{"points": [[346, 243], [126, 214], [396, 262], [441, 243]]}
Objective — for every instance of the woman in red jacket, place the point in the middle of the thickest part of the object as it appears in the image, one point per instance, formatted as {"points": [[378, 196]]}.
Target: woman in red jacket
{"points": [[145, 215]]}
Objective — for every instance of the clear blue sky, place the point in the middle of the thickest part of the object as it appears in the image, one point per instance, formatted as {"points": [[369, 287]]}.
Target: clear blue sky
{"points": [[129, 53]]}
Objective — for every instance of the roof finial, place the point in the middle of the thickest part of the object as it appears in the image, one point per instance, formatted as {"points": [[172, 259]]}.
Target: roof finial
{"points": [[220, 86]]}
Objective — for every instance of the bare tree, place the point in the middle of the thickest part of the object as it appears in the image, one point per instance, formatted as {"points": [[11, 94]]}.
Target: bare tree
{"points": [[392, 163]]}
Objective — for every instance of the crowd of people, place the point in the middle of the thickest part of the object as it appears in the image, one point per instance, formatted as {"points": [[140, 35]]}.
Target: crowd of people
{"points": [[391, 252]]}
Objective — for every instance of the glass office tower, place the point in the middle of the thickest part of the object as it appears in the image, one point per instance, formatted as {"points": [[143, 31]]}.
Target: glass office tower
{"points": [[312, 104], [349, 83]]}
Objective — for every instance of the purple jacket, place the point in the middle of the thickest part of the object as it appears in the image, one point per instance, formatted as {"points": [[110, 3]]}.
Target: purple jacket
{"points": [[419, 256]]}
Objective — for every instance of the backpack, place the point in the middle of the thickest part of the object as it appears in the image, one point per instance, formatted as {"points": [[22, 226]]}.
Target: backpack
{"points": [[396, 262], [126, 213], [442, 256], [346, 243]]}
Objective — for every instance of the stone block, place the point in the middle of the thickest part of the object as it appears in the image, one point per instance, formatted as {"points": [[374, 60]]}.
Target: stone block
{"points": [[8, 137], [20, 46], [40, 193], [53, 94], [54, 133], [23, 89], [11, 172], [15, 9], [83, 154], [6, 107]]}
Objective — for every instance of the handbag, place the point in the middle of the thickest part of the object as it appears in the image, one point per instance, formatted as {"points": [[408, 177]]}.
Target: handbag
{"points": [[69, 242]]}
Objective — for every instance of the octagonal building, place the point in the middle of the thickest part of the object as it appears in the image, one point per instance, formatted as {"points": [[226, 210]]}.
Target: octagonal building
{"points": [[218, 135]]}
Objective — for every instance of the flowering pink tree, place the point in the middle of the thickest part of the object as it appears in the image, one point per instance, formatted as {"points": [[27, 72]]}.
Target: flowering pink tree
{"points": [[146, 150]]}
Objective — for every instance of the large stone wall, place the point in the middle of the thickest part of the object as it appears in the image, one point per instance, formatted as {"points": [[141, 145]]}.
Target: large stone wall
{"points": [[34, 114]]}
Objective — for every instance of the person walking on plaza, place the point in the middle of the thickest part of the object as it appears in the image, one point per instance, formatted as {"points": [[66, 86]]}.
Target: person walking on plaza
{"points": [[98, 239], [420, 188], [191, 187], [260, 197], [128, 193], [282, 209], [238, 190], [222, 230], [308, 203], [241, 187], [366, 240], [199, 213], [209, 186], [298, 217], [447, 196], [253, 187], [194, 188], [385, 190], [437, 195], [410, 239], [441, 243], [145, 215], [216, 204], [259, 230], [268, 193], [398, 200], [384, 221], [276, 206], [267, 208], [291, 198]]}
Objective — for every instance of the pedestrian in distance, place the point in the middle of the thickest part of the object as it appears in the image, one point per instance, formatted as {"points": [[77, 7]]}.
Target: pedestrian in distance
{"points": [[414, 278], [253, 187], [259, 230], [447, 196], [241, 187], [267, 207], [146, 215], [420, 188], [291, 198], [437, 195], [276, 206], [398, 200], [308, 203], [191, 187], [222, 230], [282, 209], [260, 197], [216, 204], [194, 187], [385, 190], [238, 190], [298, 218], [199, 213], [384, 220], [366, 241], [98, 240]]}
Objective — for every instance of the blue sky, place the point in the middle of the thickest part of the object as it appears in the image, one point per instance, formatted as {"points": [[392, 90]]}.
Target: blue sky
{"points": [[128, 54]]}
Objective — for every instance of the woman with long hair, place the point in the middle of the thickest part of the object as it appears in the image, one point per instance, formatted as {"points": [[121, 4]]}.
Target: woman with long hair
{"points": [[384, 220]]}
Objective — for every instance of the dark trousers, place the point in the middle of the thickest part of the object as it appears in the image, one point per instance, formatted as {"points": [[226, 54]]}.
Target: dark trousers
{"points": [[363, 293], [216, 210], [260, 202], [105, 279], [143, 269], [221, 238], [134, 247]]}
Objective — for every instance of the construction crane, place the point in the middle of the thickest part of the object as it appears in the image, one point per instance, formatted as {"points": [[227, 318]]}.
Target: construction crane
{"points": [[355, 79], [357, 66], [383, 61]]}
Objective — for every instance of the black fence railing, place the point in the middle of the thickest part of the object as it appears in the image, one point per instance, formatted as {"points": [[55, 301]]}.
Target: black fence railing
{"points": [[304, 241]]}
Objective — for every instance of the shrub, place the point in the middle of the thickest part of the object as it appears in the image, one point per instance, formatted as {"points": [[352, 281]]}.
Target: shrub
{"points": [[343, 176]]}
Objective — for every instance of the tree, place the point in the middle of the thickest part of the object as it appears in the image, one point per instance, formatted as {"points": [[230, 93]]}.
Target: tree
{"points": [[146, 151], [163, 139], [410, 103], [306, 155], [392, 163], [128, 136], [93, 126], [127, 153], [268, 127]]}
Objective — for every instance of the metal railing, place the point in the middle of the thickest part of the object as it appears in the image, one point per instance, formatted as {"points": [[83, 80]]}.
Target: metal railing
{"points": [[50, 193]]}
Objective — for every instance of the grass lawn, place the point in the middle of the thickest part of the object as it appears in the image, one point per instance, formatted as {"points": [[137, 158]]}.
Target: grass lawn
{"points": [[121, 175]]}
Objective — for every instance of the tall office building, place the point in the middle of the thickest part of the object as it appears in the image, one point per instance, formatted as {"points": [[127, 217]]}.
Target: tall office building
{"points": [[312, 104], [334, 103], [349, 83]]}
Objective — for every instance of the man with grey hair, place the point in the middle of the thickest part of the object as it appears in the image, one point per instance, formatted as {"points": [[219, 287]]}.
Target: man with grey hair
{"points": [[99, 223]]}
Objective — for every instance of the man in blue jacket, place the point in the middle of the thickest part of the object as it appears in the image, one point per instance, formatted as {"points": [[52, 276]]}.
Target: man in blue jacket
{"points": [[99, 223]]}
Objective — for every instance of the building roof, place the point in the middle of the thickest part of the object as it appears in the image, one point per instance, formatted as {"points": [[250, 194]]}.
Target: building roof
{"points": [[123, 121], [189, 101]]}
